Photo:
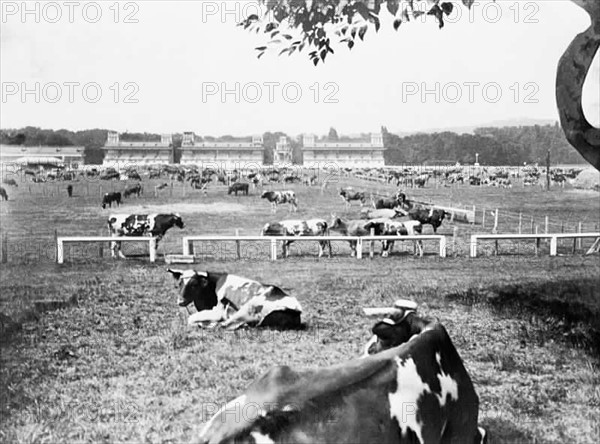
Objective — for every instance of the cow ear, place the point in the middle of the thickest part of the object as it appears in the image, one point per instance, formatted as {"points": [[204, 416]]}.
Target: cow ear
{"points": [[176, 273]]}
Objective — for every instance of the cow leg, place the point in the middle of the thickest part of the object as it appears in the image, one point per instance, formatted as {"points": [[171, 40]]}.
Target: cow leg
{"points": [[121, 255], [215, 315], [113, 247], [353, 248]]}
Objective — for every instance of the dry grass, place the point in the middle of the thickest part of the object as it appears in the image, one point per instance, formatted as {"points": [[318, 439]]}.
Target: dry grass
{"points": [[121, 365]]}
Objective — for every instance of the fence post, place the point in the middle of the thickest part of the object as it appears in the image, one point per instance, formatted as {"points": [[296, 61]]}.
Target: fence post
{"points": [[537, 242], [483, 219], [532, 226], [60, 251], [443, 246], [273, 250], [495, 229], [359, 248], [238, 247], [152, 246], [372, 244], [553, 245], [4, 248], [520, 223]]}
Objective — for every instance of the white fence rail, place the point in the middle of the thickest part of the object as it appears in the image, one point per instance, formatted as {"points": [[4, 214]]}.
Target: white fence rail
{"points": [[61, 240], [189, 240], [475, 238]]}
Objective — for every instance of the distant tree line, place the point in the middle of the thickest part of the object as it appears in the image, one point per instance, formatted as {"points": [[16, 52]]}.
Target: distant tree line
{"points": [[496, 146]]}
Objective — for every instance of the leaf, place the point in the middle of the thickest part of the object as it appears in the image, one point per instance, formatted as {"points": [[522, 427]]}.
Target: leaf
{"points": [[260, 55], [392, 6], [315, 61], [468, 3], [271, 26], [274, 33], [362, 32], [329, 49], [351, 44], [287, 36], [397, 24], [377, 23], [438, 13], [284, 51], [261, 48], [447, 8]]}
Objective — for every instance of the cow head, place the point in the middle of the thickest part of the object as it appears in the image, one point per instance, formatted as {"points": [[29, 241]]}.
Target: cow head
{"points": [[176, 220], [399, 325], [194, 286], [265, 194]]}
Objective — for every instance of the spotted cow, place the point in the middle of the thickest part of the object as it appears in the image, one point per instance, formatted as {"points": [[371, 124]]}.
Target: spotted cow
{"points": [[416, 390], [233, 301], [388, 227], [433, 217], [349, 194], [152, 225], [281, 197], [311, 227]]}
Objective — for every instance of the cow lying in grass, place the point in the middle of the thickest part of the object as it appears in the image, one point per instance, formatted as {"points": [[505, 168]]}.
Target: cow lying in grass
{"points": [[415, 389], [233, 301], [311, 227]]}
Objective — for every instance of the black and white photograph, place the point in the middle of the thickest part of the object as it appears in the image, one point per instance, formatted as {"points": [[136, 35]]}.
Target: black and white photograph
{"points": [[300, 221]]}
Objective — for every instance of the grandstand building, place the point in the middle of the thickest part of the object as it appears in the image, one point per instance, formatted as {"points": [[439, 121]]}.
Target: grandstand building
{"points": [[236, 153], [283, 152], [119, 154], [68, 156], [345, 152]]}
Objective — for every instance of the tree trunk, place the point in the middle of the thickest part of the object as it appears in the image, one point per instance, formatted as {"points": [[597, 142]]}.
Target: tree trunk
{"points": [[572, 71]]}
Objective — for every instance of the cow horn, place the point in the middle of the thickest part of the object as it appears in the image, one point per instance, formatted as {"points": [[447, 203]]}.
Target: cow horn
{"points": [[381, 311]]}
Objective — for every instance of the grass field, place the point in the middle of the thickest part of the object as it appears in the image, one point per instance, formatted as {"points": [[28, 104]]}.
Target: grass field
{"points": [[118, 363]]}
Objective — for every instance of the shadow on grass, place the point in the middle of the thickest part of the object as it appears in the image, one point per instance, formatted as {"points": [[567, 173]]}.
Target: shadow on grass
{"points": [[572, 306]]}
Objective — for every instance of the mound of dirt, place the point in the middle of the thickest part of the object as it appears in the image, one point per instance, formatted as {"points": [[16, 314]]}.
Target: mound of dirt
{"points": [[588, 179], [186, 208]]}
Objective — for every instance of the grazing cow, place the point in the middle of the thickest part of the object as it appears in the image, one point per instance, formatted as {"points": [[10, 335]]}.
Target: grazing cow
{"points": [[474, 180], [292, 179], [311, 227], [281, 197], [234, 301], [10, 182], [349, 228], [348, 195], [310, 181], [3, 193], [153, 225], [134, 189], [134, 175], [110, 198], [70, 190], [238, 186], [387, 227], [416, 392], [428, 217]]}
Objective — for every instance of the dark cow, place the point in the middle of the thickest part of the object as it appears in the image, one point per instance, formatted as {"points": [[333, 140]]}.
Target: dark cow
{"points": [[238, 186], [3, 193], [133, 175], [348, 195], [387, 227], [10, 182], [292, 179], [133, 190], [281, 197], [70, 190], [390, 202], [153, 225], [311, 227], [428, 217], [110, 198], [234, 301], [416, 392]]}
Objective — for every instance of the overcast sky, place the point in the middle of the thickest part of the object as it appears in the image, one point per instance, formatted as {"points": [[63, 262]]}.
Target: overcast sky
{"points": [[493, 64]]}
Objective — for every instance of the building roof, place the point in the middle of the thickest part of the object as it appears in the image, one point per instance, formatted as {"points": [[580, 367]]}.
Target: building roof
{"points": [[223, 146], [32, 160], [341, 146], [123, 145], [40, 151]]}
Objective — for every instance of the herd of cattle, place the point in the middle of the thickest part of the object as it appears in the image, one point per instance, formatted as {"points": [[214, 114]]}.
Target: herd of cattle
{"points": [[410, 385], [383, 219]]}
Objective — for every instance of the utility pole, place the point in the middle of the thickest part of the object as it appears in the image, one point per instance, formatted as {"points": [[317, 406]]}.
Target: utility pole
{"points": [[548, 170]]}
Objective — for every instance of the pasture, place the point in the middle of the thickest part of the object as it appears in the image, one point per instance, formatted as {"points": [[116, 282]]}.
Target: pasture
{"points": [[118, 362]]}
